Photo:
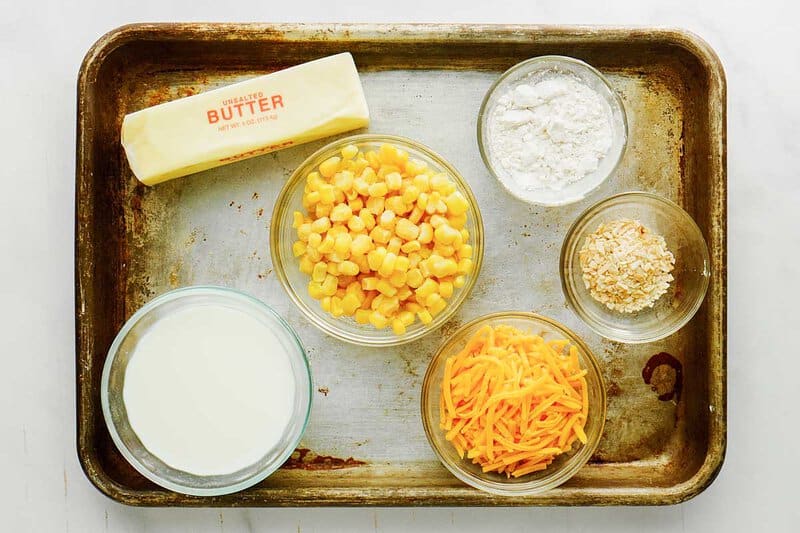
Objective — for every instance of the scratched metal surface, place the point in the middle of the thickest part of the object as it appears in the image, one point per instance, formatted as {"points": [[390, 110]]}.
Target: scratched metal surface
{"points": [[365, 435]]}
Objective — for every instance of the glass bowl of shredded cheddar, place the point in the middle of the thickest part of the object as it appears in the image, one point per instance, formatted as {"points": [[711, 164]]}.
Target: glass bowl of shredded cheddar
{"points": [[377, 239], [513, 403]]}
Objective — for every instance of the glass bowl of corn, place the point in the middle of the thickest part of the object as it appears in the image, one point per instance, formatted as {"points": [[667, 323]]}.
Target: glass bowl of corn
{"points": [[377, 239]]}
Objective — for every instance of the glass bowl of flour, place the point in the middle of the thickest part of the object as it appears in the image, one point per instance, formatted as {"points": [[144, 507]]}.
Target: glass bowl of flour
{"points": [[552, 129], [206, 391]]}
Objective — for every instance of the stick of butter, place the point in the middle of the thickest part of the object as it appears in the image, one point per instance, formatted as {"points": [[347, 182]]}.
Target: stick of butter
{"points": [[254, 117]]}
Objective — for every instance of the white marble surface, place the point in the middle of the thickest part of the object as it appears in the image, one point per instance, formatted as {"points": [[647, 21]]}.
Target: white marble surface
{"points": [[43, 488]]}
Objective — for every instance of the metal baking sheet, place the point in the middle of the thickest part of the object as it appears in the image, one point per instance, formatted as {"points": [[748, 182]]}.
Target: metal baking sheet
{"points": [[664, 441]]}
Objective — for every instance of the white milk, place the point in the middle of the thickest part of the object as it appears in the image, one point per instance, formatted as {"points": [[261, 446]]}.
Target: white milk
{"points": [[209, 390]]}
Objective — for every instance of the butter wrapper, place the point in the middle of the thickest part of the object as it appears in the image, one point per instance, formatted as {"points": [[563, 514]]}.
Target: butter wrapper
{"points": [[286, 108]]}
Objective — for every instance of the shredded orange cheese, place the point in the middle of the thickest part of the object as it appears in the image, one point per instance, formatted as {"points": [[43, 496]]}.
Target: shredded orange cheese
{"points": [[512, 402]]}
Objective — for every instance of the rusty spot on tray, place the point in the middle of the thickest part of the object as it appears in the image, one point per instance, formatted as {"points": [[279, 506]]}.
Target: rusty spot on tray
{"points": [[323, 390], [450, 327], [255, 196], [265, 273], [613, 390], [305, 459], [664, 373], [260, 212]]}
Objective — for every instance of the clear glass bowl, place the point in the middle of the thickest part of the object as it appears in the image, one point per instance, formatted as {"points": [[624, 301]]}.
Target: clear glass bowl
{"points": [[566, 464], [113, 381], [538, 69], [686, 292], [285, 264]]}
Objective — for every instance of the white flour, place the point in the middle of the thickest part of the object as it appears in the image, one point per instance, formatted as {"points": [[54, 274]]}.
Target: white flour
{"points": [[551, 133]]}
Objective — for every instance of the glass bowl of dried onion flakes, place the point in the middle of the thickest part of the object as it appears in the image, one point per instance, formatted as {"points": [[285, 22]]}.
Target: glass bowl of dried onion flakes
{"points": [[635, 267]]}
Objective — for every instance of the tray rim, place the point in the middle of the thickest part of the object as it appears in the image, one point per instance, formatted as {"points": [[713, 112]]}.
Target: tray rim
{"points": [[433, 496]]}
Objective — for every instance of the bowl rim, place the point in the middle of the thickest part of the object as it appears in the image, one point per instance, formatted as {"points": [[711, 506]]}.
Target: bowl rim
{"points": [[557, 477], [113, 351], [569, 296], [554, 59], [390, 339]]}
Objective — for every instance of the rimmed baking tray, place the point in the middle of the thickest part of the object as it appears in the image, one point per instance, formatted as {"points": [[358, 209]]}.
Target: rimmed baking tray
{"points": [[665, 432]]}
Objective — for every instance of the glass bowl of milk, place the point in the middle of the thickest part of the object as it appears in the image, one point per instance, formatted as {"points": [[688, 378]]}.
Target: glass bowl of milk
{"points": [[206, 391]]}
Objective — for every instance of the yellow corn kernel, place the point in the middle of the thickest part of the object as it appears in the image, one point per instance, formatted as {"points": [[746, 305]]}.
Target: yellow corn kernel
{"points": [[387, 153], [465, 266], [361, 243], [359, 165], [325, 302], [351, 195], [333, 270], [444, 234], [422, 183], [415, 166], [336, 307], [422, 201], [368, 218], [394, 181], [398, 327], [348, 268], [322, 210], [376, 205], [427, 288], [425, 233], [361, 186], [356, 224], [319, 272], [314, 240], [341, 213], [439, 181], [445, 289], [369, 283], [437, 220], [378, 189], [416, 215], [375, 258], [311, 199], [304, 231], [313, 253], [406, 317], [297, 219], [394, 245], [456, 203], [433, 201], [306, 265], [330, 285], [457, 221], [342, 245], [425, 316], [404, 293], [369, 176], [431, 299], [327, 194], [344, 180], [398, 278], [387, 219], [412, 307], [397, 205], [444, 267], [386, 288], [387, 266], [350, 303], [326, 246], [369, 297], [406, 229], [444, 250], [378, 320], [299, 248], [410, 194], [315, 290], [402, 264], [465, 252], [380, 235], [321, 225], [356, 204], [388, 305], [330, 166], [459, 282], [414, 278], [337, 229], [464, 234], [425, 253], [436, 304], [349, 151], [410, 246], [314, 180], [362, 316]]}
